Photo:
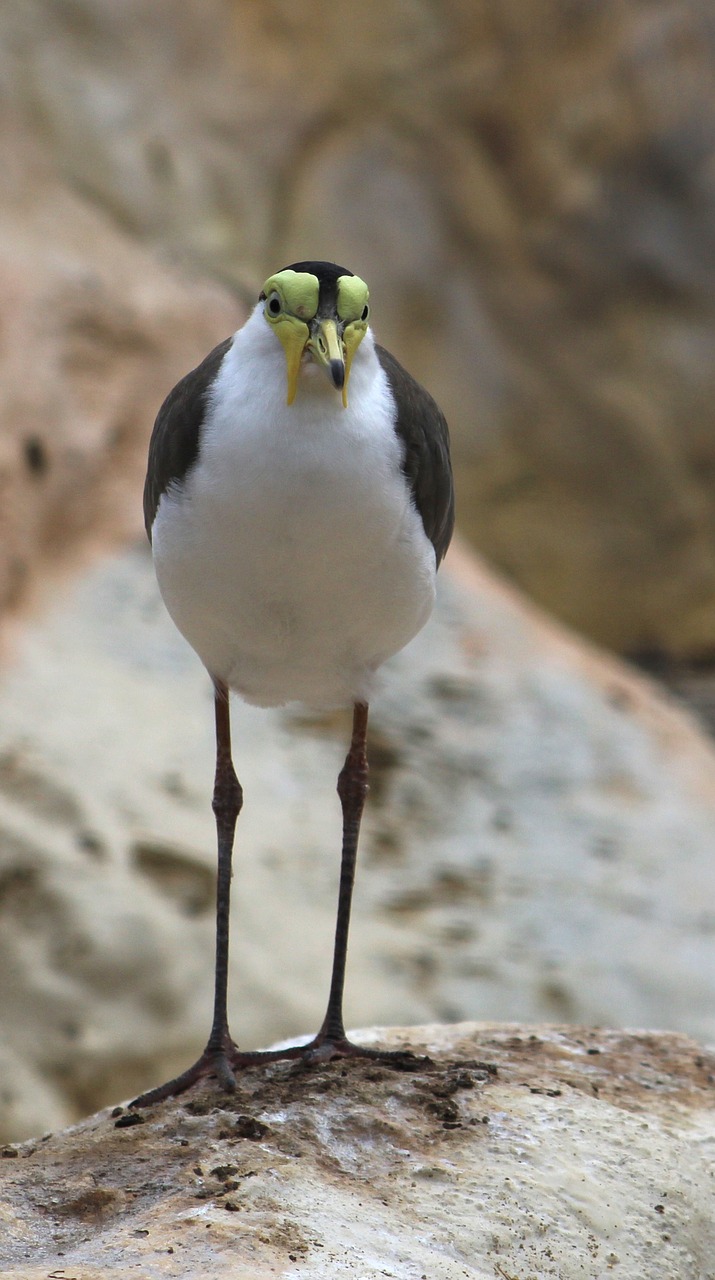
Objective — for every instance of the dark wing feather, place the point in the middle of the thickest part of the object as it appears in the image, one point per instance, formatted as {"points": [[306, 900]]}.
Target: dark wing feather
{"points": [[423, 430], [174, 443]]}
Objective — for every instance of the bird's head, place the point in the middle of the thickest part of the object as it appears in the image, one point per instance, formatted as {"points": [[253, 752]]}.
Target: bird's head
{"points": [[320, 311]]}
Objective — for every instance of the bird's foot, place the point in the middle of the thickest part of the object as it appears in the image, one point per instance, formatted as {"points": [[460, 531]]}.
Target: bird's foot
{"points": [[217, 1062], [326, 1048], [222, 1062]]}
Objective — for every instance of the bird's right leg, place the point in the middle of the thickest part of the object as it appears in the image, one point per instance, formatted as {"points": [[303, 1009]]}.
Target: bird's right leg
{"points": [[220, 1049]]}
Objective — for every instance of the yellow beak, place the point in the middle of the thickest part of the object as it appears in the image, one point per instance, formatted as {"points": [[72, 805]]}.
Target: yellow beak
{"points": [[327, 350], [325, 346]]}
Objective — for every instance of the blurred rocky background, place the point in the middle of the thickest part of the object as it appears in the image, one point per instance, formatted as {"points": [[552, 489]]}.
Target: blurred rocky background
{"points": [[530, 191]]}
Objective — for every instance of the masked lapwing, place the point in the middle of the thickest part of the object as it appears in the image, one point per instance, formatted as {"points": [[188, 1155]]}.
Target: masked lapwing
{"points": [[299, 501]]}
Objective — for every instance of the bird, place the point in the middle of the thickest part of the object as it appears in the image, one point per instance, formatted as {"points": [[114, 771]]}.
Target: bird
{"points": [[299, 500]]}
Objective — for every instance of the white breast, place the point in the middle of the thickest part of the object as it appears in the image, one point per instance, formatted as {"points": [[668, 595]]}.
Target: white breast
{"points": [[292, 557]]}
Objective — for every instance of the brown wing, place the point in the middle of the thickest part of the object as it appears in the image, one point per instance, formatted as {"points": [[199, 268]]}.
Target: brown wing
{"points": [[423, 430], [174, 445]]}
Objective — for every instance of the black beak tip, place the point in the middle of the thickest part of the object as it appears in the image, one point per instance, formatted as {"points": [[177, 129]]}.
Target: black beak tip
{"points": [[337, 373]]}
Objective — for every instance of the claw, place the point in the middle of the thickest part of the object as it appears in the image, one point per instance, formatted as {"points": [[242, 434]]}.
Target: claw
{"points": [[213, 1062]]}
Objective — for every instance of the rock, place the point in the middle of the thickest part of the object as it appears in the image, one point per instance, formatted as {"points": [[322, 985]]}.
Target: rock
{"points": [[515, 1153], [530, 195], [537, 844], [94, 332]]}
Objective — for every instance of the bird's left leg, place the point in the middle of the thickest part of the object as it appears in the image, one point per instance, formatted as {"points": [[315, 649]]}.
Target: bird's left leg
{"points": [[332, 1041], [352, 789]]}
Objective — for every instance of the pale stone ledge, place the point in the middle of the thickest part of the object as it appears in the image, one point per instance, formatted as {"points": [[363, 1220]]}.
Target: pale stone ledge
{"points": [[521, 1153]]}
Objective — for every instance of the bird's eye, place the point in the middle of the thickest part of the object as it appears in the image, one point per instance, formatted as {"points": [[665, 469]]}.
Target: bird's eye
{"points": [[274, 304], [365, 312]]}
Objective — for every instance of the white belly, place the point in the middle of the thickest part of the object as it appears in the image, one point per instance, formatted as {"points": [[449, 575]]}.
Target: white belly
{"points": [[293, 559]]}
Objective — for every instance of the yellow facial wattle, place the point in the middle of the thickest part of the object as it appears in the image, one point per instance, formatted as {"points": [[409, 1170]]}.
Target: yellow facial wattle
{"points": [[291, 308]]}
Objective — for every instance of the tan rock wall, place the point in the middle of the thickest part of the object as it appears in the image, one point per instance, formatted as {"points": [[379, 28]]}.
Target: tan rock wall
{"points": [[528, 188], [93, 332], [537, 844]]}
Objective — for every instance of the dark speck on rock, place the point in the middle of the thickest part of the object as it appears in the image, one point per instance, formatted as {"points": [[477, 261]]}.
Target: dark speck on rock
{"points": [[247, 1127], [128, 1122]]}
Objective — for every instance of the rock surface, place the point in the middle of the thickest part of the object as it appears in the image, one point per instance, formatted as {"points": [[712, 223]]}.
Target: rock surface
{"points": [[528, 188], [537, 845], [94, 331], [575, 1154]]}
